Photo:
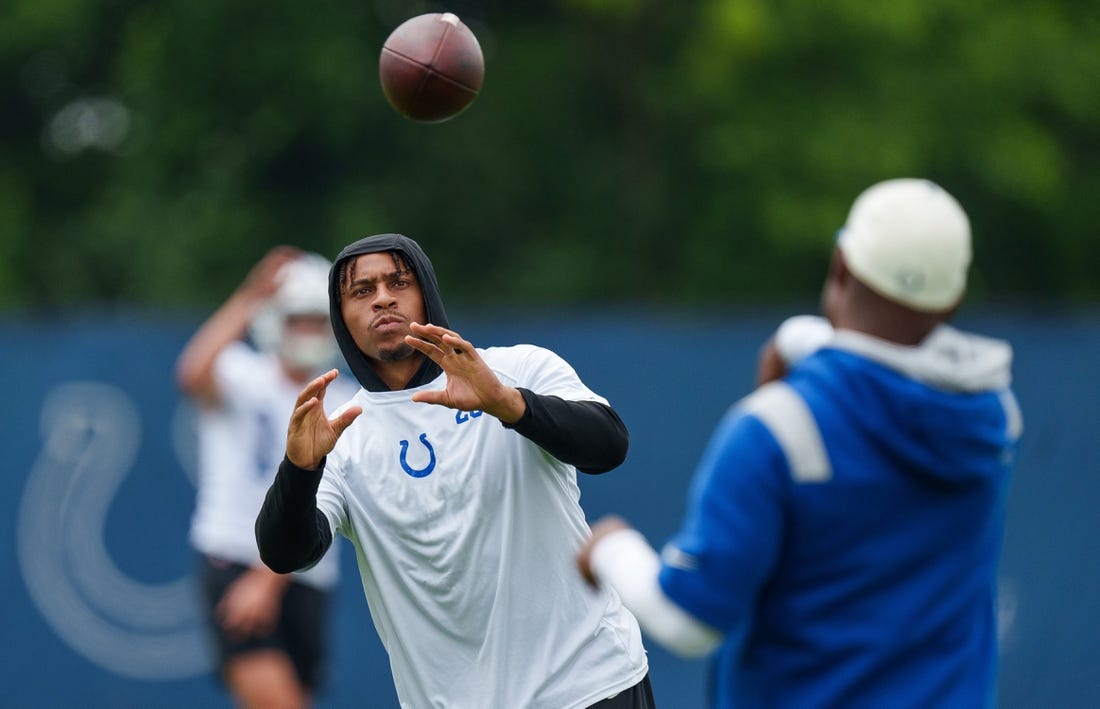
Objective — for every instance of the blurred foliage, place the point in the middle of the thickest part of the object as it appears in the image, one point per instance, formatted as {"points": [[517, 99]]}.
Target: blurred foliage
{"points": [[621, 151]]}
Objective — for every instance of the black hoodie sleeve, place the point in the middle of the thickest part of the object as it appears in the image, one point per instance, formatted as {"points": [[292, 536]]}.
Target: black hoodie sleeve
{"points": [[291, 533], [586, 434]]}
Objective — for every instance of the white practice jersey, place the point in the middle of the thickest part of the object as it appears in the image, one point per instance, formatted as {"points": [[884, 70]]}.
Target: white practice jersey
{"points": [[466, 534], [241, 444]]}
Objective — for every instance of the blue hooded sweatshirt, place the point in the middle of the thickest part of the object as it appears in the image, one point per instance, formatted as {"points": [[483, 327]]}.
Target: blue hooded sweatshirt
{"points": [[845, 525]]}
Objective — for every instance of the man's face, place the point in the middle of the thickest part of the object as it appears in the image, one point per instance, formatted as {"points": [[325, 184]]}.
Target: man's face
{"points": [[378, 301], [307, 343]]}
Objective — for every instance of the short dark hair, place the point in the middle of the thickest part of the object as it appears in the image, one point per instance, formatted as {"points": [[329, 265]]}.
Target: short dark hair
{"points": [[346, 272]]}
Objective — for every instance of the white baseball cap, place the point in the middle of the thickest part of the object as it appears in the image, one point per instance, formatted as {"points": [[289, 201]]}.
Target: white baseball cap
{"points": [[909, 240]]}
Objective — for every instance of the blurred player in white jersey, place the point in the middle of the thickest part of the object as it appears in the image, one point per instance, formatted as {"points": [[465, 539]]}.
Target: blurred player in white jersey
{"points": [[465, 515], [270, 629]]}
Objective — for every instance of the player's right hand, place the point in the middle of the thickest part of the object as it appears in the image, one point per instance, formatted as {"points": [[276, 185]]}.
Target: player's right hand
{"points": [[311, 434]]}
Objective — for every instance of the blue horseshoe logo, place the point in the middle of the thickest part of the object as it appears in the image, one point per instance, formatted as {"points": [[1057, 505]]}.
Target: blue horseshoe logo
{"points": [[427, 469]]}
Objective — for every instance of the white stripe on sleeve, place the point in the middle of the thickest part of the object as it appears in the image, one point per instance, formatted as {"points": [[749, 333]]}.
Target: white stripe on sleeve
{"points": [[786, 415], [1014, 420], [624, 561]]}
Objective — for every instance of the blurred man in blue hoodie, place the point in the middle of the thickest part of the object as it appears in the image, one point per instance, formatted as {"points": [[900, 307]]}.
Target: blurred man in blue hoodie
{"points": [[845, 521]]}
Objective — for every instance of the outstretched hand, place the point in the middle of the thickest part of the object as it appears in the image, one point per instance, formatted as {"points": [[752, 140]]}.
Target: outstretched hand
{"points": [[311, 434], [471, 385]]}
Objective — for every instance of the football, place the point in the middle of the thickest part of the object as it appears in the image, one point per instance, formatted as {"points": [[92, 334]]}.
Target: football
{"points": [[431, 67]]}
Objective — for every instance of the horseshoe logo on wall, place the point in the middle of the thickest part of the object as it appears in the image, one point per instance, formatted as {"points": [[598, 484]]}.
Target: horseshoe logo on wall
{"points": [[91, 433]]}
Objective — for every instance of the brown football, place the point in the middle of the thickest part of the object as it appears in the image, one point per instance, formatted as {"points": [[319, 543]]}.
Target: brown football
{"points": [[431, 67]]}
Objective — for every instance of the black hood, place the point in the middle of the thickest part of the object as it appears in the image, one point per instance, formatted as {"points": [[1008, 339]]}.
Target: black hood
{"points": [[433, 306]]}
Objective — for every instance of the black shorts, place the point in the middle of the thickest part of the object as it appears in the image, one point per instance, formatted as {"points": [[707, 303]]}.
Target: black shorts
{"points": [[302, 631], [640, 696]]}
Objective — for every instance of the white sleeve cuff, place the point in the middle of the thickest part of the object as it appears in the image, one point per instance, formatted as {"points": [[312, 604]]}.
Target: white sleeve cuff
{"points": [[624, 561], [800, 336]]}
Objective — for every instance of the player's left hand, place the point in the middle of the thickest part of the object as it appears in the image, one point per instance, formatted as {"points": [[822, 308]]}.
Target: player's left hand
{"points": [[251, 604], [471, 385]]}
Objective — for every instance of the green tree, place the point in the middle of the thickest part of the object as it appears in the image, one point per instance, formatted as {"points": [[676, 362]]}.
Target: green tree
{"points": [[673, 153]]}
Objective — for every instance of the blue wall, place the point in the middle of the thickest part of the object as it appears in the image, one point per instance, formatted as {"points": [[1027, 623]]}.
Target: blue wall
{"points": [[97, 605]]}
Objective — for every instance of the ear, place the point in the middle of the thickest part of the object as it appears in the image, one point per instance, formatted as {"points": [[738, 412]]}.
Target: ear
{"points": [[836, 282], [838, 269]]}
